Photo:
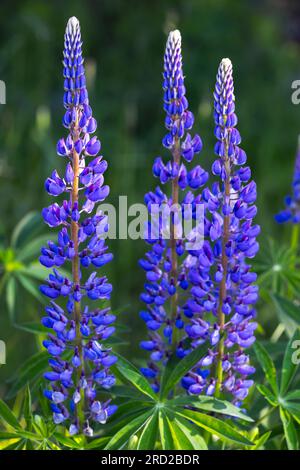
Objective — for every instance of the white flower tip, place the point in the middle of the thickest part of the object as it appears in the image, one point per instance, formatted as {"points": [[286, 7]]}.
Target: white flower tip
{"points": [[226, 63], [73, 25], [174, 37]]}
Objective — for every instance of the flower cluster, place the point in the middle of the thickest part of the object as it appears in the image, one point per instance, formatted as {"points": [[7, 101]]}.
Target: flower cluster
{"points": [[292, 203], [222, 295], [79, 361], [166, 284]]}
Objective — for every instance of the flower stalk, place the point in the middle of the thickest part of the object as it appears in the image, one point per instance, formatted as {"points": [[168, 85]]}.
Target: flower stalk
{"points": [[79, 360]]}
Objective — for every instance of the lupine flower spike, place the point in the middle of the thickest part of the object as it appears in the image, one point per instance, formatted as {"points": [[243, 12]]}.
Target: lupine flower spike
{"points": [[223, 292], [164, 263], [292, 203], [79, 361]]}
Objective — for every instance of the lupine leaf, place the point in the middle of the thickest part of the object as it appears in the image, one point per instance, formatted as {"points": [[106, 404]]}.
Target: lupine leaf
{"points": [[185, 435], [8, 435], [267, 394], [267, 365], [165, 431], [27, 408], [8, 416], [67, 441], [127, 392], [11, 296], [148, 436], [33, 247], [209, 404], [288, 367], [261, 441], [215, 426], [180, 440], [97, 443], [29, 371], [293, 395], [131, 373], [293, 409], [32, 327], [287, 307], [24, 228], [30, 287], [119, 440], [182, 368], [289, 430]]}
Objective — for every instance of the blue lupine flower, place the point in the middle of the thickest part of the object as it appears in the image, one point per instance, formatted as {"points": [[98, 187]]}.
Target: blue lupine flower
{"points": [[165, 270], [292, 202], [223, 291], [80, 363]]}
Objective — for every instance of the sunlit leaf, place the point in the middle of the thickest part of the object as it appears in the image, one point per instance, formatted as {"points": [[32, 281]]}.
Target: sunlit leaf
{"points": [[148, 436], [119, 440], [269, 396], [8, 416], [182, 368], [222, 429], [289, 430], [211, 404], [289, 368], [267, 365], [133, 375]]}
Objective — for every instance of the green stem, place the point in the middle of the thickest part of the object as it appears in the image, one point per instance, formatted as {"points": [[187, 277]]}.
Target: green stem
{"points": [[76, 277], [224, 263]]}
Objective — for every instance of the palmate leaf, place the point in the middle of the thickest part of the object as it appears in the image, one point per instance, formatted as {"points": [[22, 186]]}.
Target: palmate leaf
{"points": [[25, 229], [222, 429], [33, 247], [32, 327], [149, 433], [267, 365], [289, 368], [184, 434], [275, 267], [120, 439], [293, 395], [210, 404], [269, 396], [261, 441], [293, 409], [166, 437], [11, 288], [175, 374], [32, 369], [286, 308], [289, 430], [30, 286], [8, 416], [133, 375]]}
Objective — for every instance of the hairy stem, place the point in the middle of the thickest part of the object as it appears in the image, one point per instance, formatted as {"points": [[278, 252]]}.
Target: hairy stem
{"points": [[224, 264], [174, 260], [76, 276]]}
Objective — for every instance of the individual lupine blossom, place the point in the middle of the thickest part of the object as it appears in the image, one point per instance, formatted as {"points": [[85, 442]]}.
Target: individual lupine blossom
{"points": [[292, 203], [166, 282], [79, 361], [223, 291]]}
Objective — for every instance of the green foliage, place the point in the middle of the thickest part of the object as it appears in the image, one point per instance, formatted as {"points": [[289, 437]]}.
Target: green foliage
{"points": [[175, 422], [277, 392], [18, 262]]}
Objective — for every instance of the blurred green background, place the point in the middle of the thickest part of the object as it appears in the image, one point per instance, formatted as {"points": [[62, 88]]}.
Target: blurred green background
{"points": [[123, 45]]}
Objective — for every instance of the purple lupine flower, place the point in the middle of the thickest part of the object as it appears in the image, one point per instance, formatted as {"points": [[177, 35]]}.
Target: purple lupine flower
{"points": [[80, 362], [223, 290], [164, 264], [291, 213]]}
